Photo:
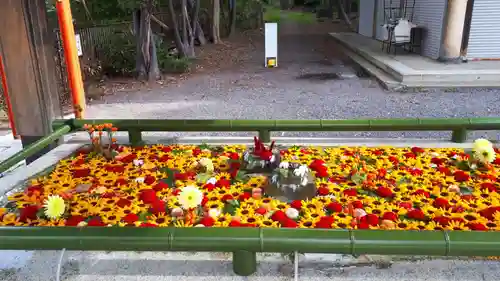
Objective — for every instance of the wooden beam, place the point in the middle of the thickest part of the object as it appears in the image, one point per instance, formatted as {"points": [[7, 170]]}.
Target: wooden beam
{"points": [[27, 48]]}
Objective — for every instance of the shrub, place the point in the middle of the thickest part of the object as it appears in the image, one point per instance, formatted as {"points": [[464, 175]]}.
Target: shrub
{"points": [[117, 56]]}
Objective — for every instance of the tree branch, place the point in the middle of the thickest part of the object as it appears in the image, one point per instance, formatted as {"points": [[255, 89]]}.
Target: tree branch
{"points": [[159, 22]]}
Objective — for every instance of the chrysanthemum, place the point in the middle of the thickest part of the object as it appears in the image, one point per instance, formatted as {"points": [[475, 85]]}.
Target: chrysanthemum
{"points": [[190, 197], [483, 151], [54, 207]]}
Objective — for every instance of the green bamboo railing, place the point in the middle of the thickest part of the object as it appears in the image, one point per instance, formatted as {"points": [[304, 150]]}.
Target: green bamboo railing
{"points": [[34, 148], [458, 126], [245, 242]]}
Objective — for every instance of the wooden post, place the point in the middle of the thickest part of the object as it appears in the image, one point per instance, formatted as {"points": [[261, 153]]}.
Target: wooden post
{"points": [[27, 50]]}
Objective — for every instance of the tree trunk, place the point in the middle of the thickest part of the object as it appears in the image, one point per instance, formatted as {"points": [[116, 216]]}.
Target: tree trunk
{"points": [[232, 16], [198, 31], [216, 21], [183, 32], [344, 15], [147, 60]]}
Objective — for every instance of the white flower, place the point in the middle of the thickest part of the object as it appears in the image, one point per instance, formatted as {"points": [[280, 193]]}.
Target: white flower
{"points": [[293, 187], [301, 171], [284, 165], [485, 154], [304, 181], [177, 212], [138, 162], [358, 213], [433, 165], [273, 158], [190, 197], [262, 163], [139, 180], [82, 224], [199, 225], [212, 181], [292, 213], [483, 151], [214, 213], [207, 164]]}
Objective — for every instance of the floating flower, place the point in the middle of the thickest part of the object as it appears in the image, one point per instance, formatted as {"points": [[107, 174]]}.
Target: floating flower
{"points": [[483, 151], [190, 197], [292, 213], [207, 164], [54, 207]]}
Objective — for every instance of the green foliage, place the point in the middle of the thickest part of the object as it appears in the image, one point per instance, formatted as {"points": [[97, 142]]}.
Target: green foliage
{"points": [[169, 63], [249, 13], [118, 54]]}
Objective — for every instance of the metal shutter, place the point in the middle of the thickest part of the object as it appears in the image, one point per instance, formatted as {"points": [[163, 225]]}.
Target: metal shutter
{"points": [[430, 14], [484, 36]]}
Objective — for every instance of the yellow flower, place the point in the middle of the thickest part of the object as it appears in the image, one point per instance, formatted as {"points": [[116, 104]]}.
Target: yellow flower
{"points": [[190, 197], [483, 151], [207, 164], [54, 207]]}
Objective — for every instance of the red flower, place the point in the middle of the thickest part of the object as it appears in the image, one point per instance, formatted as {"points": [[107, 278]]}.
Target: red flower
{"points": [[384, 192], [161, 185], [461, 176], [334, 207], [416, 214], [350, 192], [362, 225], [288, 223], [394, 160], [322, 191], [325, 222], [158, 206], [488, 212], [357, 204], [261, 211], [234, 224], [129, 158], [97, 221], [443, 221], [441, 203], [74, 220], [149, 179], [322, 172], [444, 170], [226, 198], [489, 186], [406, 205], [316, 163], [148, 196], [207, 221], [223, 183], [164, 158], [437, 161], [417, 150], [421, 192], [147, 224], [410, 155], [121, 181], [371, 219], [28, 213], [34, 188], [378, 152], [279, 216], [390, 216], [209, 187], [245, 196], [123, 202], [81, 173], [297, 204], [130, 218], [477, 226]]}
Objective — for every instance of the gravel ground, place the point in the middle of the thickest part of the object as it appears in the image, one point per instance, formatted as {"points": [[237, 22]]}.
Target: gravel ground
{"points": [[252, 92]]}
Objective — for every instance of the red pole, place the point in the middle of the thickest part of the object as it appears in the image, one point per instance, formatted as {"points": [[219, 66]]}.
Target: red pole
{"points": [[7, 99], [71, 55]]}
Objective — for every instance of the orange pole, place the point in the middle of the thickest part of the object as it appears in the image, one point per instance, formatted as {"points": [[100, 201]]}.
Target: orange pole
{"points": [[7, 99], [71, 56]]}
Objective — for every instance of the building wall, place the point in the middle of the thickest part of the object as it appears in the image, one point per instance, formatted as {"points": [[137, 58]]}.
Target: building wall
{"points": [[484, 38], [431, 15], [366, 13]]}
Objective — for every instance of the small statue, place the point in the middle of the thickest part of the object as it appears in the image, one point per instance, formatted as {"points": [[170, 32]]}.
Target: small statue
{"points": [[261, 159]]}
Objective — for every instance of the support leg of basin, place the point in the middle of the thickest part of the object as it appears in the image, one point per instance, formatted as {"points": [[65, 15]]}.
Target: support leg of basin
{"points": [[244, 263], [459, 136]]}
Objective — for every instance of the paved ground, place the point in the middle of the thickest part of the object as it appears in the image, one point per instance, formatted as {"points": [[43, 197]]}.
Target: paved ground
{"points": [[250, 91]]}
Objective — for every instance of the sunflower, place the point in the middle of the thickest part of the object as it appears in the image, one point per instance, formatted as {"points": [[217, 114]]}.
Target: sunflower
{"points": [[215, 205], [306, 223], [161, 219], [111, 219], [223, 220], [266, 222], [456, 225], [244, 213]]}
